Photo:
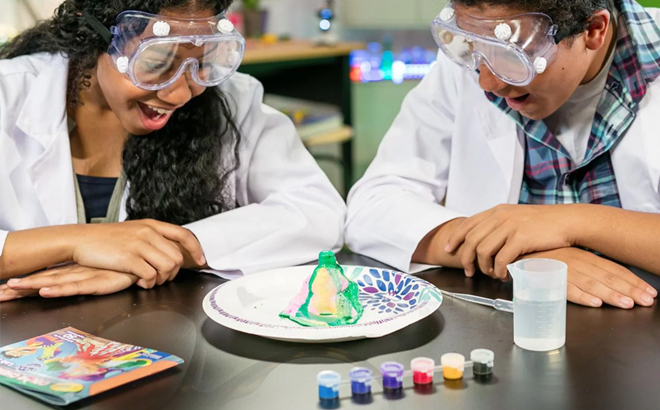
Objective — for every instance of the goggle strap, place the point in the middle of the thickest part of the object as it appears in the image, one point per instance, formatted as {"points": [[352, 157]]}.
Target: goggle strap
{"points": [[98, 27]]}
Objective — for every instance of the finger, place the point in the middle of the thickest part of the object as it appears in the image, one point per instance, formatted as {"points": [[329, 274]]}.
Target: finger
{"points": [[590, 281], [12, 294], [171, 250], [160, 261], [508, 254], [489, 247], [182, 235], [97, 284], [39, 281], [622, 280], [71, 267], [472, 241], [180, 262], [7, 294], [468, 259], [143, 270], [459, 235], [24, 283], [576, 295], [145, 284], [630, 277]]}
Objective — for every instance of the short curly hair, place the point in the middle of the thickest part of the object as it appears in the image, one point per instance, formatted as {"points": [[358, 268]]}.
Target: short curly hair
{"points": [[571, 16], [176, 174]]}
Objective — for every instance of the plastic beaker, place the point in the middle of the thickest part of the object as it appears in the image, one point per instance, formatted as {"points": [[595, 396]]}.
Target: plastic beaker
{"points": [[539, 304]]}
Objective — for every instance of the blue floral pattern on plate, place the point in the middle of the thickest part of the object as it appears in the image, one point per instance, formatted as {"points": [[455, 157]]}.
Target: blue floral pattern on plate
{"points": [[386, 291]]}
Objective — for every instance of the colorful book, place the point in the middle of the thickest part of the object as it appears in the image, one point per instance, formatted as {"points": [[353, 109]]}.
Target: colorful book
{"points": [[67, 365]]}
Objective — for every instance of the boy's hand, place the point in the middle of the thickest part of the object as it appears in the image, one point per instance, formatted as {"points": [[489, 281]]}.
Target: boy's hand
{"points": [[497, 237], [593, 280]]}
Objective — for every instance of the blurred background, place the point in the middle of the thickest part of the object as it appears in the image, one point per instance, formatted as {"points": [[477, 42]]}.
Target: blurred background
{"points": [[339, 68]]}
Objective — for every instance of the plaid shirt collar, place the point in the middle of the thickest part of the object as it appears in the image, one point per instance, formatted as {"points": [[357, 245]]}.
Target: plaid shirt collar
{"points": [[637, 58], [636, 63]]}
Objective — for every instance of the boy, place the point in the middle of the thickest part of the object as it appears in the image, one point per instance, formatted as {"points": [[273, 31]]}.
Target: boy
{"points": [[546, 145]]}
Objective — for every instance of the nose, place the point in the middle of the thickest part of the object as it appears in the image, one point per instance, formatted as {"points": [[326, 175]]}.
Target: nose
{"points": [[488, 81], [182, 91]]}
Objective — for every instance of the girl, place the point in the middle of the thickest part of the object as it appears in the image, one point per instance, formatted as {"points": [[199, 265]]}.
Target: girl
{"points": [[129, 113]]}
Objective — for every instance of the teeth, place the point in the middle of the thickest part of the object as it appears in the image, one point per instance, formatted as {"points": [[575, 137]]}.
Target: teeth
{"points": [[160, 110]]}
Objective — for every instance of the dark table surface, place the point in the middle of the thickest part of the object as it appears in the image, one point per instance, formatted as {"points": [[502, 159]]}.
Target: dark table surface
{"points": [[611, 359]]}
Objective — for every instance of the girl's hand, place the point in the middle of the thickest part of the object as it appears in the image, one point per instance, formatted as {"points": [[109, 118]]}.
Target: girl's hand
{"points": [[68, 280], [148, 249], [497, 237]]}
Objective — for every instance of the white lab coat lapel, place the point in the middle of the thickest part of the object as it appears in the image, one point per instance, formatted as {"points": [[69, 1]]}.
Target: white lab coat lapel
{"points": [[10, 157], [500, 132], [123, 215], [51, 172], [10, 183], [487, 140], [635, 158]]}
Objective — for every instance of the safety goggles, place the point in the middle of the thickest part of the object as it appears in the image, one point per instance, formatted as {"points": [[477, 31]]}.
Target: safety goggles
{"points": [[154, 51], [515, 49]]}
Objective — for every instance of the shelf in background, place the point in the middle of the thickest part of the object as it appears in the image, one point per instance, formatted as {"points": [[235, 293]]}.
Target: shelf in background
{"points": [[257, 52], [340, 136]]}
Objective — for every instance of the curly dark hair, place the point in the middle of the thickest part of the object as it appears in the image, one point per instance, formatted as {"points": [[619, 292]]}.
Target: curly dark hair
{"points": [[571, 16], [177, 174]]}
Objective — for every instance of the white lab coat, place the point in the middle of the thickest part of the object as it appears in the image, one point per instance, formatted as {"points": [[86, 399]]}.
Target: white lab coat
{"points": [[288, 209], [450, 143]]}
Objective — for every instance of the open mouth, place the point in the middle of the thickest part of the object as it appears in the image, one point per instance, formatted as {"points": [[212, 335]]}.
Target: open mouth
{"points": [[154, 113], [522, 98], [518, 103], [154, 118]]}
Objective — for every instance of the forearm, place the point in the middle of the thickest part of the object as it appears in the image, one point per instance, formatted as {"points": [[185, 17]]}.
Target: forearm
{"points": [[35, 249], [629, 237], [431, 250]]}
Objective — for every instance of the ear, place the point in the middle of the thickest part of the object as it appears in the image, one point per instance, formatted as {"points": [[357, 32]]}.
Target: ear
{"points": [[596, 33]]}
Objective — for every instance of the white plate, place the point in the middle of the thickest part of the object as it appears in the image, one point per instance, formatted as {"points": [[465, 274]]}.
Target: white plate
{"points": [[252, 304]]}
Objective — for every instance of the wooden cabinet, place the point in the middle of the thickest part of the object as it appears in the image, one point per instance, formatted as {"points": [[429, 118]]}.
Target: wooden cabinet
{"points": [[389, 14]]}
